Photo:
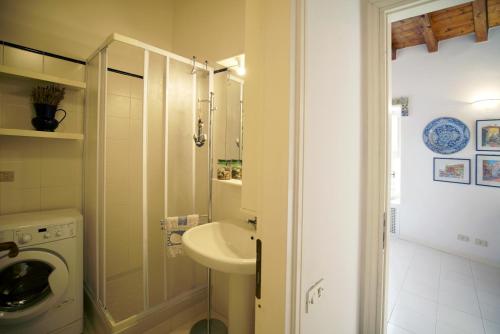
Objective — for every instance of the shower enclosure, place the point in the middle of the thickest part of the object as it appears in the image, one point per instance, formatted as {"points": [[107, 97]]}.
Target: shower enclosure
{"points": [[142, 165]]}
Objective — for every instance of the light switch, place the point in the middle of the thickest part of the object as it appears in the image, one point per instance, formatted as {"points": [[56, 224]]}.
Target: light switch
{"points": [[314, 294]]}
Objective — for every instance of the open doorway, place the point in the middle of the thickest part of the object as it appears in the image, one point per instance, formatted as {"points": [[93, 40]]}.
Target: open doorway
{"points": [[443, 257]]}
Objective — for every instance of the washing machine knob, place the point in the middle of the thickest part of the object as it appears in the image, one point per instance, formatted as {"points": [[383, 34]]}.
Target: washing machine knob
{"points": [[58, 233], [46, 235], [25, 238]]}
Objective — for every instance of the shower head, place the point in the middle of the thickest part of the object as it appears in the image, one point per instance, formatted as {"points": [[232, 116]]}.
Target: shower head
{"points": [[200, 138]]}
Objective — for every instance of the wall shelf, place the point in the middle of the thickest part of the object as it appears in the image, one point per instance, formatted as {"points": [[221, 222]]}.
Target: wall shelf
{"points": [[40, 134], [19, 72], [232, 182]]}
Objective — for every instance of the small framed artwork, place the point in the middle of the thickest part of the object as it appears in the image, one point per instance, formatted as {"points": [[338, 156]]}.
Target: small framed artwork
{"points": [[452, 170], [488, 170], [488, 135]]}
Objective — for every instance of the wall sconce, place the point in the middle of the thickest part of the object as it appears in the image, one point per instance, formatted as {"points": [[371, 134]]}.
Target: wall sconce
{"points": [[486, 104], [236, 63]]}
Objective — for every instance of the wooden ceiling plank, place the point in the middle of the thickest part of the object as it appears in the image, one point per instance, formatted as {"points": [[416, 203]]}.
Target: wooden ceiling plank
{"points": [[428, 34], [451, 12], [493, 13], [480, 20]]}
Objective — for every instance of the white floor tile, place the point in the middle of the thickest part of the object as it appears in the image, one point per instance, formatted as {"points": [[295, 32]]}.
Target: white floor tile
{"points": [[413, 322], [443, 328], [448, 276], [487, 282], [392, 329], [456, 264], [415, 314], [421, 288], [441, 293], [459, 321], [491, 313], [459, 297], [491, 328]]}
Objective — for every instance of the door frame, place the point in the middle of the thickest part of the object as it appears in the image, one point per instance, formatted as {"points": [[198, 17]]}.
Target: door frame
{"points": [[376, 78]]}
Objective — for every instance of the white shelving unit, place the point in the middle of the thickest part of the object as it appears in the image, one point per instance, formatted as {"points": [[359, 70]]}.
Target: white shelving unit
{"points": [[19, 72], [40, 134]]}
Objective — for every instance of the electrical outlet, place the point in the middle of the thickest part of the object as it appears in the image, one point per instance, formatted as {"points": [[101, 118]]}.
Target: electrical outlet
{"points": [[7, 176], [481, 242], [463, 237]]}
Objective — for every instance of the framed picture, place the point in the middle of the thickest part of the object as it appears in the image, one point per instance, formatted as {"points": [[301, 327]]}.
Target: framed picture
{"points": [[488, 135], [488, 170], [452, 170]]}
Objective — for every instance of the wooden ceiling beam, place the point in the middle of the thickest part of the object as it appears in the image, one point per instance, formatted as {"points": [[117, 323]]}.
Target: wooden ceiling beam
{"points": [[480, 10], [428, 34]]}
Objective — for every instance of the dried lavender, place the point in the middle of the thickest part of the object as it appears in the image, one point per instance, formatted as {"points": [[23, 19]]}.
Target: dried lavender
{"points": [[51, 95]]}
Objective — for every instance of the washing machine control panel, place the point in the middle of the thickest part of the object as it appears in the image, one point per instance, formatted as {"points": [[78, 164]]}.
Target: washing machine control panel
{"points": [[45, 233]]}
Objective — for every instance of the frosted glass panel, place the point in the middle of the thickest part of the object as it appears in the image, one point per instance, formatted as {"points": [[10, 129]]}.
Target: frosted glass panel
{"points": [[186, 179], [142, 166], [123, 184], [155, 175]]}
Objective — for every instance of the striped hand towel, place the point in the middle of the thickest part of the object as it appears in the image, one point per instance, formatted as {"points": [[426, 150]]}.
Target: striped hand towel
{"points": [[174, 228]]}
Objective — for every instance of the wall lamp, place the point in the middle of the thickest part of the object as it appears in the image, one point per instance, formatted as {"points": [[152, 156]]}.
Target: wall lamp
{"points": [[486, 104]]}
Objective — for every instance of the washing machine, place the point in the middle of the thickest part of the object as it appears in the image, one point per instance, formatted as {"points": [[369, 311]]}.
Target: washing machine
{"points": [[41, 272]]}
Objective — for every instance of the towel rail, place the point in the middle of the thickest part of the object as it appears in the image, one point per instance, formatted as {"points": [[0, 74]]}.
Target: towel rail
{"points": [[203, 219]]}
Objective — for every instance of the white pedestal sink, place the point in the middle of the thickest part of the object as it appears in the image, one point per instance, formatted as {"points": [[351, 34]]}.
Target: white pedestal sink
{"points": [[229, 246]]}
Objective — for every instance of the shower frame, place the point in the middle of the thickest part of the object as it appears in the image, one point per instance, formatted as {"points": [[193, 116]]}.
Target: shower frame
{"points": [[98, 292]]}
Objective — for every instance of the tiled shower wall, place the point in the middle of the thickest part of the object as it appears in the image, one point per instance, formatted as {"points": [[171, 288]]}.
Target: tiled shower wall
{"points": [[123, 173]]}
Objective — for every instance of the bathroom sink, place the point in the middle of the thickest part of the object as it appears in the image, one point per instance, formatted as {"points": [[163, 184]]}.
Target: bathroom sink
{"points": [[227, 246]]}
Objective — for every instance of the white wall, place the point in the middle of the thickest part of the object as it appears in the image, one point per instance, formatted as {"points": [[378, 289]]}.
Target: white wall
{"points": [[332, 158], [77, 28], [443, 84], [210, 30]]}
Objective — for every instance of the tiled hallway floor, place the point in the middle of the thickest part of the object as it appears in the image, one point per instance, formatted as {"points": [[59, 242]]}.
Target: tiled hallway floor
{"points": [[432, 292]]}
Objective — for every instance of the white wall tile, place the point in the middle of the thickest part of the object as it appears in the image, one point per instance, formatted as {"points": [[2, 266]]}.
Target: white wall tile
{"points": [[117, 247], [136, 108], [60, 197], [31, 199], [117, 127], [136, 88], [64, 69], [118, 106], [23, 59], [118, 84], [10, 199], [16, 116]]}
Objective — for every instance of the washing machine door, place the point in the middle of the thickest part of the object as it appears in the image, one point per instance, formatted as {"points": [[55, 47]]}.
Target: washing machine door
{"points": [[31, 283]]}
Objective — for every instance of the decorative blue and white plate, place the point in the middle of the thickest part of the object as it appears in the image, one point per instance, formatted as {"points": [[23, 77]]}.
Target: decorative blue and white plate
{"points": [[446, 135]]}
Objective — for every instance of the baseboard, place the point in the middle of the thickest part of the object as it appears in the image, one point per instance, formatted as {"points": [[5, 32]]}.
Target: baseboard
{"points": [[101, 323], [451, 252], [95, 320]]}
